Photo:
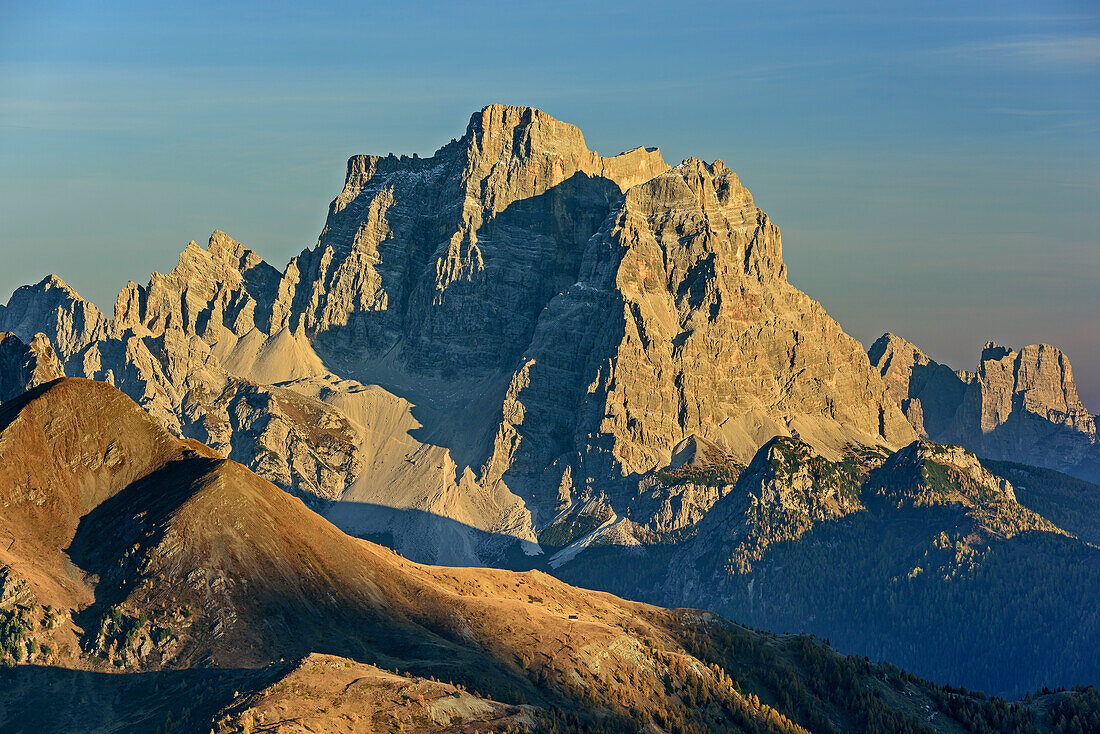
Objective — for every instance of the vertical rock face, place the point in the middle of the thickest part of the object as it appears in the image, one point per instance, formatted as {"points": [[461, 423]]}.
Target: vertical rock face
{"points": [[25, 366], [1018, 406], [1023, 406], [1037, 379], [682, 323], [928, 392]]}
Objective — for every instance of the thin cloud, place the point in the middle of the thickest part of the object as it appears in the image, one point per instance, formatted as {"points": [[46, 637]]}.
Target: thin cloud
{"points": [[1024, 112], [1045, 51]]}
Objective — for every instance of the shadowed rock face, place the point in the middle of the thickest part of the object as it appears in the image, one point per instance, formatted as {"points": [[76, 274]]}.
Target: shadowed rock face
{"points": [[928, 392], [55, 309], [1018, 406], [25, 366], [511, 330]]}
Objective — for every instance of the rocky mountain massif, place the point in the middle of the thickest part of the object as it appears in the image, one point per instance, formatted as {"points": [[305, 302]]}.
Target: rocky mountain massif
{"points": [[519, 353], [508, 338], [1017, 406], [150, 584]]}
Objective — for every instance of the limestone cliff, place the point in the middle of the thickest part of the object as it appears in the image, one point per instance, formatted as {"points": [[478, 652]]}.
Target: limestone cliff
{"points": [[1017, 406], [927, 391], [476, 238], [56, 310], [681, 323]]}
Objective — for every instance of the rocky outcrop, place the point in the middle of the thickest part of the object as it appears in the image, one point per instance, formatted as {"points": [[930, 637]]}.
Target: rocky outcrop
{"points": [[926, 473], [1023, 406], [1017, 406], [478, 237], [222, 292], [786, 489], [24, 366]]}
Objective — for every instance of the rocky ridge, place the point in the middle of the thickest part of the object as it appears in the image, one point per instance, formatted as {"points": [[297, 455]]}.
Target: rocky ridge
{"points": [[924, 556], [150, 582], [154, 554]]}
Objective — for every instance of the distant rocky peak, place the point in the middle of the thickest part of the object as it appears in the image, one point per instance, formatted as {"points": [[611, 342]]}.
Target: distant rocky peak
{"points": [[224, 284], [54, 308], [1016, 406], [887, 346], [695, 184], [1037, 379], [508, 131], [474, 240]]}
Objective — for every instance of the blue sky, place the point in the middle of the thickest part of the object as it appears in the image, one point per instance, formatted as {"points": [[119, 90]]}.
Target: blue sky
{"points": [[934, 167]]}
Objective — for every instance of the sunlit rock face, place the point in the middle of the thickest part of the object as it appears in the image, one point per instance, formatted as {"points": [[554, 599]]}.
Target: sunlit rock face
{"points": [[682, 323], [1017, 406], [56, 310], [451, 259]]}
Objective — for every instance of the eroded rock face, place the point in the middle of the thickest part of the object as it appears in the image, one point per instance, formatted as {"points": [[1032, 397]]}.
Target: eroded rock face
{"points": [[25, 366], [682, 323], [1017, 406], [475, 239], [223, 291]]}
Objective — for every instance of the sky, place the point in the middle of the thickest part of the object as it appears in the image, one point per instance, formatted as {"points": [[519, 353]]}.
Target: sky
{"points": [[934, 167]]}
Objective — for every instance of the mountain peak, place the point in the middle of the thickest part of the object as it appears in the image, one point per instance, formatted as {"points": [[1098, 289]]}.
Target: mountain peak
{"points": [[890, 343], [54, 308], [54, 281]]}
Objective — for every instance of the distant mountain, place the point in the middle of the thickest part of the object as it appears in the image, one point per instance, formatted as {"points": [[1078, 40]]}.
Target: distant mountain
{"points": [[146, 577], [1017, 406]]}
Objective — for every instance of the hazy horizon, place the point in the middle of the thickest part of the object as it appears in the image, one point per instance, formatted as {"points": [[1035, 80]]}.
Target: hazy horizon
{"points": [[934, 174]]}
